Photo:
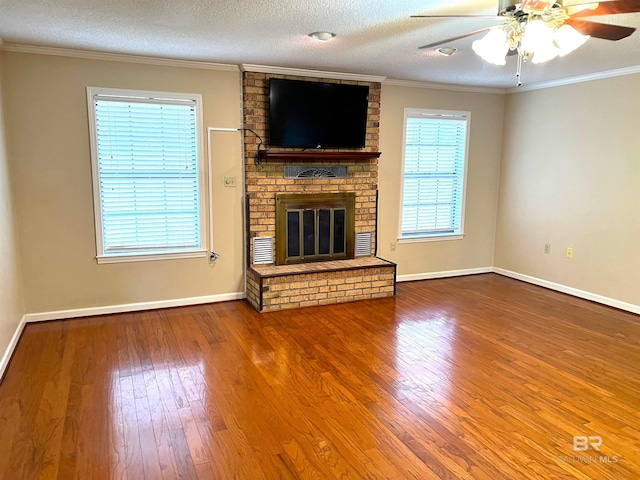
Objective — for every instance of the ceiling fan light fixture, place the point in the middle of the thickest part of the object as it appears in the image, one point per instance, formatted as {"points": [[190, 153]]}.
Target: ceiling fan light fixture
{"points": [[537, 36], [568, 39], [545, 54], [538, 40], [540, 30], [322, 36], [493, 47]]}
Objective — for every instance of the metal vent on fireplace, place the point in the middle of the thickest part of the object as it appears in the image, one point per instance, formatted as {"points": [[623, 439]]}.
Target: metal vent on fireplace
{"points": [[315, 171], [262, 250], [363, 244]]}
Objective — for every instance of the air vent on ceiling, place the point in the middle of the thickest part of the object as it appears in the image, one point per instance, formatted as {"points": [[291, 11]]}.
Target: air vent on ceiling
{"points": [[363, 244], [315, 171], [262, 250]]}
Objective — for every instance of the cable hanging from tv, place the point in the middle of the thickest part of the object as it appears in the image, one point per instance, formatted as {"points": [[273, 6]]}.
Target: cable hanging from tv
{"points": [[257, 157]]}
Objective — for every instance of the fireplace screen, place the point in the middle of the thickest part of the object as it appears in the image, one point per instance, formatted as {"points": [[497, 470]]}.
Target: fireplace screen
{"points": [[315, 227]]}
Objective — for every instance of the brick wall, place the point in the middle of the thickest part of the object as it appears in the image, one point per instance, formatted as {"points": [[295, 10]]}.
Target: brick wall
{"points": [[272, 288], [264, 180], [319, 288], [254, 295]]}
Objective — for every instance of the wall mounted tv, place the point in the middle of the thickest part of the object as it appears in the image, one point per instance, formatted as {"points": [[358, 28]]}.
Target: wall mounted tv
{"points": [[316, 114]]}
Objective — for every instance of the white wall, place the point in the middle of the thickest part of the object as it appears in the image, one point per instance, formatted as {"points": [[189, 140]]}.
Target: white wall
{"points": [[11, 302], [476, 249], [570, 177]]}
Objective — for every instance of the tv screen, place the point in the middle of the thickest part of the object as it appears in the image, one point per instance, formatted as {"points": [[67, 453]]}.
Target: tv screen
{"points": [[316, 114]]}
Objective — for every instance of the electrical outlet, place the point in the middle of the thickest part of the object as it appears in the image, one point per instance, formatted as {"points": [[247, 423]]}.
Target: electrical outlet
{"points": [[393, 246], [229, 181], [547, 248], [569, 252]]}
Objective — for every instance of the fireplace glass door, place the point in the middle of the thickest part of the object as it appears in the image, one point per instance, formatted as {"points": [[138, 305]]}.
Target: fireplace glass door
{"points": [[311, 228], [314, 233]]}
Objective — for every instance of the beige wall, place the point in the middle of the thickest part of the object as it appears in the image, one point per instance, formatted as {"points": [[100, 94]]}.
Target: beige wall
{"points": [[476, 249], [45, 99], [11, 304], [576, 188], [571, 177]]}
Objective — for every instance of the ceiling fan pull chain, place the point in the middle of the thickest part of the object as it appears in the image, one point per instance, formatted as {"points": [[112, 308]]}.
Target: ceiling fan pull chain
{"points": [[519, 69]]}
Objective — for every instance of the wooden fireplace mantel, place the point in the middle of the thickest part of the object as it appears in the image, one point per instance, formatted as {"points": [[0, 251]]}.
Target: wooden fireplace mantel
{"points": [[308, 155]]}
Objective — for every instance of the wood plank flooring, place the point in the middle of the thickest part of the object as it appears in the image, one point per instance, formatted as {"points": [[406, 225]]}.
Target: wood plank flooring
{"points": [[478, 377]]}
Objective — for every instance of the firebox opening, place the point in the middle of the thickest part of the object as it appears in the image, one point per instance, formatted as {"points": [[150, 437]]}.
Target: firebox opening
{"points": [[314, 227]]}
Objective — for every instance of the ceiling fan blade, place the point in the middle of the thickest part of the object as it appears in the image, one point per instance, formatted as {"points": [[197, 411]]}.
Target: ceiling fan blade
{"points": [[537, 4], [435, 44], [495, 17], [605, 8], [601, 30]]}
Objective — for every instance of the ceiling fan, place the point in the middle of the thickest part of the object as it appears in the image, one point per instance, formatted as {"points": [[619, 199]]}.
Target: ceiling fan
{"points": [[540, 30]]}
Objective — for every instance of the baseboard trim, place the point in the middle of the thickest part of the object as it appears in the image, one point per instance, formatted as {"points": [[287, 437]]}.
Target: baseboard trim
{"points": [[6, 358], [594, 297], [131, 307], [445, 274], [180, 302]]}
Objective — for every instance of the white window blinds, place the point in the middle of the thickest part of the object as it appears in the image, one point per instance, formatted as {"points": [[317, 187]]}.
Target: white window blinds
{"points": [[147, 167], [434, 163]]}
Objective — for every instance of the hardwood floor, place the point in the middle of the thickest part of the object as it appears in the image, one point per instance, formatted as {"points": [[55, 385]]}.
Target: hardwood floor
{"points": [[472, 377]]}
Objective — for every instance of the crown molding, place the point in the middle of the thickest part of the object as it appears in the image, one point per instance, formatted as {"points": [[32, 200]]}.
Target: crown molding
{"points": [[300, 72], [444, 86], [579, 79], [115, 57]]}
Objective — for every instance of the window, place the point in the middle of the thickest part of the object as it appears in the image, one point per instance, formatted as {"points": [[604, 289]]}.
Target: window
{"points": [[147, 174], [435, 158]]}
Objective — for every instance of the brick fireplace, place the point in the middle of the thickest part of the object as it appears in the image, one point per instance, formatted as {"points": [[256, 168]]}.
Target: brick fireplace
{"points": [[294, 284]]}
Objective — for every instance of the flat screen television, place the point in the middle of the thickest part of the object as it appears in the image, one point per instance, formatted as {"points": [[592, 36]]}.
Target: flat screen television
{"points": [[317, 114]]}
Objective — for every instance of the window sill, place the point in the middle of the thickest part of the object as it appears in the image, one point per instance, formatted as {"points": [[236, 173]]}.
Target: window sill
{"points": [[432, 238], [123, 258]]}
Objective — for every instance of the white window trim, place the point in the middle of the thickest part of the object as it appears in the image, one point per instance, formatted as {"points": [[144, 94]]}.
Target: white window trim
{"points": [[434, 113], [432, 238], [103, 258], [150, 256]]}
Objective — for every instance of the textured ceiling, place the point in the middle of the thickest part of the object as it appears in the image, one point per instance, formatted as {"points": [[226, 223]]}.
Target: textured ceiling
{"points": [[375, 37]]}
